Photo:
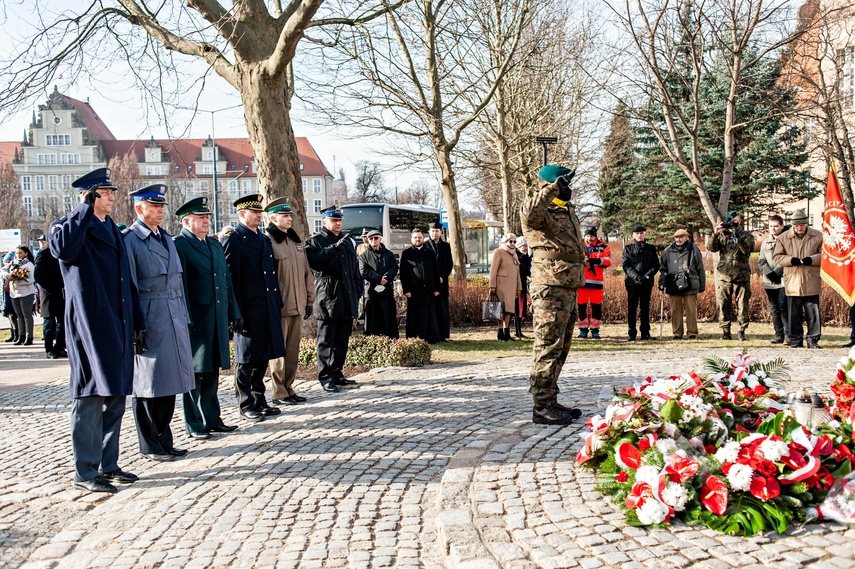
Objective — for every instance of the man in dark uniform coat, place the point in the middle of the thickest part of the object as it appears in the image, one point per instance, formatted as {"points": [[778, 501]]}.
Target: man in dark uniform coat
{"points": [[256, 285], [445, 264], [213, 309], [48, 276], [103, 323], [420, 283], [332, 258], [379, 268]]}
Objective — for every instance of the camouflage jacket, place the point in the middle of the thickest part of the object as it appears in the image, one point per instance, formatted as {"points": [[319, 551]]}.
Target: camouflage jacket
{"points": [[554, 235], [734, 249]]}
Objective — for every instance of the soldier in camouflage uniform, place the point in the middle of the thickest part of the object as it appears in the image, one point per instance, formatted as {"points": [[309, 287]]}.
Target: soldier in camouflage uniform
{"points": [[733, 284], [554, 234]]}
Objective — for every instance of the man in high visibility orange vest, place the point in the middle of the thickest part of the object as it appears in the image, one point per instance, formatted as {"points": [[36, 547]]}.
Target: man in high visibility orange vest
{"points": [[599, 257]]}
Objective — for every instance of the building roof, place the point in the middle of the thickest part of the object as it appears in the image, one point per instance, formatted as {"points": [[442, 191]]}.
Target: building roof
{"points": [[7, 151], [87, 115]]}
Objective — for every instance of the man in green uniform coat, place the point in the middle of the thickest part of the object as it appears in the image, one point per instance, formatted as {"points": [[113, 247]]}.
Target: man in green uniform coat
{"points": [[733, 282], [554, 234], [212, 305]]}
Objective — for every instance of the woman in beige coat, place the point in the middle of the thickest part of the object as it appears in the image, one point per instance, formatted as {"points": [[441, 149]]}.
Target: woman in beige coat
{"points": [[505, 281]]}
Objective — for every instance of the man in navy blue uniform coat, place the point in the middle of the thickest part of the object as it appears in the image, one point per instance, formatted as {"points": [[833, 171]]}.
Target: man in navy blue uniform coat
{"points": [[253, 268], [103, 322]]}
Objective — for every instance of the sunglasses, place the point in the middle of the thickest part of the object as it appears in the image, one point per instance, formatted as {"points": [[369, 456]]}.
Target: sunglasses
{"points": [[376, 237], [511, 241]]}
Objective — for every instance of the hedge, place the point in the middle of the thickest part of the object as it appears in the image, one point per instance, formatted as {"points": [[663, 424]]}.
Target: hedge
{"points": [[375, 351]]}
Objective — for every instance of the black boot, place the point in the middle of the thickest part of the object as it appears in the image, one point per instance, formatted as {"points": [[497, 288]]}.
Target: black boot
{"points": [[518, 327], [13, 336], [500, 335], [28, 340], [19, 341], [506, 334]]}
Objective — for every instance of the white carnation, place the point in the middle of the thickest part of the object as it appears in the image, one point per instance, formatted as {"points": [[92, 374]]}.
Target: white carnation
{"points": [[652, 512], [728, 452], [751, 381], [850, 375], [774, 450], [666, 446], [738, 385], [649, 474], [675, 495], [760, 373], [739, 477]]}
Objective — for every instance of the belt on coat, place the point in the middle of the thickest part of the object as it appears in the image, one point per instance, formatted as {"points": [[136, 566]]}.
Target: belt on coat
{"points": [[557, 255], [171, 294]]}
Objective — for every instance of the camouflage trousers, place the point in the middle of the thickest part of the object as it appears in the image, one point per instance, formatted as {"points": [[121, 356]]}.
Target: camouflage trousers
{"points": [[554, 314], [726, 295]]}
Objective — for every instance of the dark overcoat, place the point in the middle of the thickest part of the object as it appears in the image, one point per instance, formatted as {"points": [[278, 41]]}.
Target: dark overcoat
{"points": [[48, 276], [420, 278], [166, 366], [210, 299], [444, 263], [102, 308], [256, 285], [337, 277], [380, 310]]}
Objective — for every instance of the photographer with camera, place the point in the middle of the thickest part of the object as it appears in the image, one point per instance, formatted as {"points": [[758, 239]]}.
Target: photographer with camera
{"points": [[733, 282]]}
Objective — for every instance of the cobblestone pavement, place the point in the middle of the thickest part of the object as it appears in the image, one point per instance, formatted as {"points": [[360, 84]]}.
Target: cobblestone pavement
{"points": [[434, 467]]}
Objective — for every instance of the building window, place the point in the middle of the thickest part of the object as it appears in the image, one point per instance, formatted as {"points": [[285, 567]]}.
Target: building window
{"points": [[40, 183], [318, 225], [203, 186], [57, 140], [40, 207], [305, 206], [28, 205], [47, 159], [207, 169], [247, 186], [67, 202], [317, 185], [26, 184], [232, 209], [846, 63], [317, 206], [305, 186], [233, 186], [66, 182], [153, 171], [53, 183], [69, 158]]}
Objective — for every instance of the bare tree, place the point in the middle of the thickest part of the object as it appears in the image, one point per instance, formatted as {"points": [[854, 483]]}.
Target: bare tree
{"points": [[424, 73], [421, 192], [12, 214], [672, 44], [369, 186], [251, 45], [125, 175]]}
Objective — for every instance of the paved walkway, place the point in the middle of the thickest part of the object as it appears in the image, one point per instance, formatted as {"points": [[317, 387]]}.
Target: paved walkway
{"points": [[435, 467]]}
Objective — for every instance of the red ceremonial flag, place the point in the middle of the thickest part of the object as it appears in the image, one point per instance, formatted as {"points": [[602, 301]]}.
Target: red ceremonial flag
{"points": [[838, 243]]}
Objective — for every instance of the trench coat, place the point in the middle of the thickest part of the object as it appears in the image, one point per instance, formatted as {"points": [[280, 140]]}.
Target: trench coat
{"points": [[102, 307], [256, 284], [210, 300], [166, 367], [505, 278]]}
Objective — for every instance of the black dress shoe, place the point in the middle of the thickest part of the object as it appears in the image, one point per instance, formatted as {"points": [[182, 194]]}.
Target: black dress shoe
{"points": [[61, 354], [269, 411], [286, 401], [631, 339], [97, 484], [120, 476], [780, 340], [342, 381], [201, 435], [331, 387], [50, 355], [252, 415], [849, 344], [298, 399], [223, 429], [160, 457], [647, 337], [177, 451], [812, 346], [799, 345], [551, 415]]}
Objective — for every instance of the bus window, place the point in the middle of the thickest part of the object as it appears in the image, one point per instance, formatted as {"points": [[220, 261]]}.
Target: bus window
{"points": [[358, 219]]}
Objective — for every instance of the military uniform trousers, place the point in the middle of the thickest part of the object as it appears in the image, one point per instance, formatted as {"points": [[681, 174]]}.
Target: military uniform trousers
{"points": [[284, 370], [810, 305], [727, 294], [554, 315], [333, 335], [201, 404], [152, 416], [249, 385], [684, 305], [95, 425]]}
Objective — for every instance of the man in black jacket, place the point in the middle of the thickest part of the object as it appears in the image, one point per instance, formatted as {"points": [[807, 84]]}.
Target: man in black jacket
{"points": [[332, 258], [640, 264], [49, 278], [420, 283], [445, 264]]}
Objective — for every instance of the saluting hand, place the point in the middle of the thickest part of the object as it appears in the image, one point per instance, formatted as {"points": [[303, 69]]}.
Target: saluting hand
{"points": [[91, 196]]}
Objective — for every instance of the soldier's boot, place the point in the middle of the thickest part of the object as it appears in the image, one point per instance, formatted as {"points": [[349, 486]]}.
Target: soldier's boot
{"points": [[741, 335], [574, 412], [583, 332], [595, 333], [725, 334], [551, 415]]}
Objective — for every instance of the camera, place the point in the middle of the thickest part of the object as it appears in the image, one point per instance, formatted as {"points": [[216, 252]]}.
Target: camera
{"points": [[729, 227]]}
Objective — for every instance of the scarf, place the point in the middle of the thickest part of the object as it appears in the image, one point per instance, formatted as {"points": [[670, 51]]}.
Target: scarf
{"points": [[513, 252]]}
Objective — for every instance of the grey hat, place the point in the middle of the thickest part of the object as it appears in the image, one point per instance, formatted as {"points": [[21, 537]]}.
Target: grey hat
{"points": [[373, 232], [798, 216]]}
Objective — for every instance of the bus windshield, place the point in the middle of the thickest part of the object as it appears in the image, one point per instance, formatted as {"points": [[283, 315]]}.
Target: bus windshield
{"points": [[358, 219]]}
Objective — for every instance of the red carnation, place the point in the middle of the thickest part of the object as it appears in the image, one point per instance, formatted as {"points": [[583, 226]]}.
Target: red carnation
{"points": [[622, 476]]}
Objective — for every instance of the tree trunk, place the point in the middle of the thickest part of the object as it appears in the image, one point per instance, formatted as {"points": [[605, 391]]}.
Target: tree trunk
{"points": [[455, 225], [267, 112]]}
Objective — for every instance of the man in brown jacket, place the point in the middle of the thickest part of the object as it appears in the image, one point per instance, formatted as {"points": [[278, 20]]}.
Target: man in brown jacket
{"points": [[798, 251], [297, 286]]}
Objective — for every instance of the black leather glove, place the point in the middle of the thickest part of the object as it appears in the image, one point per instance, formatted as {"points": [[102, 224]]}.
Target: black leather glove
{"points": [[807, 261], [592, 264], [774, 277], [795, 261], [91, 196], [139, 341], [343, 241], [308, 313], [563, 183], [644, 278]]}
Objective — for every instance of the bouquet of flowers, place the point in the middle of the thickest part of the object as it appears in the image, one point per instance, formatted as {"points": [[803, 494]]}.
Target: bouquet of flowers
{"points": [[843, 386], [19, 273], [719, 451]]}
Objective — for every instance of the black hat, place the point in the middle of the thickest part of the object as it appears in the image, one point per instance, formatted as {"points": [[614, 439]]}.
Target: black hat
{"points": [[332, 212], [99, 178], [639, 229], [41, 237], [196, 206], [153, 194], [591, 231], [251, 202], [435, 224], [279, 205]]}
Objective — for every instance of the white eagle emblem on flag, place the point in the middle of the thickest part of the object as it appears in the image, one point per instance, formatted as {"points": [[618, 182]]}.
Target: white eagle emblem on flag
{"points": [[836, 235]]}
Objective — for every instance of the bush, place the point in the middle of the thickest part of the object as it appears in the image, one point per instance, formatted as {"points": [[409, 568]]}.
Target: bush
{"points": [[464, 303], [375, 351]]}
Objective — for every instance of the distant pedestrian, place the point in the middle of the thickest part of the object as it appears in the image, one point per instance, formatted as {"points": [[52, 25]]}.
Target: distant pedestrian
{"points": [[8, 308], [773, 280], [640, 263], [20, 274], [49, 278], [378, 267], [445, 264], [420, 284], [599, 256], [505, 281], [683, 277]]}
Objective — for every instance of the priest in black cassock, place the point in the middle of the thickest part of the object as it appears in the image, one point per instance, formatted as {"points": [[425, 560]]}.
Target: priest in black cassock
{"points": [[420, 282], [444, 262]]}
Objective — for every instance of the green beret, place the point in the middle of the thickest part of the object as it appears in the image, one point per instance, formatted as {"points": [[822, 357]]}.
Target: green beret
{"points": [[730, 215], [552, 172]]}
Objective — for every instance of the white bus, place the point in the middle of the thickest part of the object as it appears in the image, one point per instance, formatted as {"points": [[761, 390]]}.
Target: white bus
{"points": [[395, 222]]}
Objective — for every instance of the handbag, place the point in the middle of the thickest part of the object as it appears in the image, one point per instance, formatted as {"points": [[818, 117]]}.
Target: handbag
{"points": [[681, 281], [492, 310]]}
